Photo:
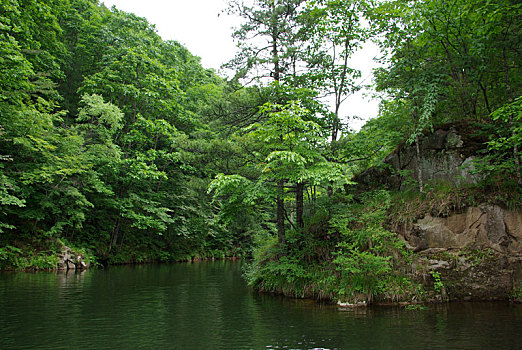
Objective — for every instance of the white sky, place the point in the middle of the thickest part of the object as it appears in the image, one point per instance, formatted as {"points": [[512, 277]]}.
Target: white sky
{"points": [[202, 27]]}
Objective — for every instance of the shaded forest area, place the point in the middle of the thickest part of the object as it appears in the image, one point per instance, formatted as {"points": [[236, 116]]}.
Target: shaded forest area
{"points": [[109, 138], [121, 146]]}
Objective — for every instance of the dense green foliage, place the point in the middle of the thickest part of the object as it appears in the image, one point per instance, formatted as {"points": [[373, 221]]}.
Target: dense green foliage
{"points": [[105, 139], [120, 145], [444, 63]]}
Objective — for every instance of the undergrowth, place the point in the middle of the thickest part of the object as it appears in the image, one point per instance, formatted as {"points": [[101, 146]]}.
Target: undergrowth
{"points": [[44, 254], [365, 262]]}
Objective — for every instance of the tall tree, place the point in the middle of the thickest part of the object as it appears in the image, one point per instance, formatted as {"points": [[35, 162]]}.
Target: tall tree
{"points": [[443, 62], [288, 147], [267, 42], [332, 31]]}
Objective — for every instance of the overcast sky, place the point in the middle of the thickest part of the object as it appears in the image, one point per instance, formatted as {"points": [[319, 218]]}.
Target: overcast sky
{"points": [[202, 27]]}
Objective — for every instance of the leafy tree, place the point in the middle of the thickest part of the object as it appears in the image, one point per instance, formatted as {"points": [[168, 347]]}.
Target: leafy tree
{"points": [[442, 63], [104, 134], [288, 152], [509, 136], [274, 21], [331, 31]]}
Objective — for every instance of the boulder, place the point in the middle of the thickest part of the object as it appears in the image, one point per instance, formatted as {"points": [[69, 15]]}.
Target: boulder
{"points": [[70, 260]]}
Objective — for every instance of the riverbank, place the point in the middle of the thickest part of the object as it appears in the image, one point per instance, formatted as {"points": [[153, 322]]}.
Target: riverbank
{"points": [[58, 254], [383, 241], [428, 263]]}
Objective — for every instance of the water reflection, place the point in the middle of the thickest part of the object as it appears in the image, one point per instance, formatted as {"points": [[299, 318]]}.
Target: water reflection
{"points": [[208, 306]]}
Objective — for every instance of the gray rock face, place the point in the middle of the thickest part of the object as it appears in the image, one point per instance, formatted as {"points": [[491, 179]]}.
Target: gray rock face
{"points": [[475, 254], [446, 156], [70, 260]]}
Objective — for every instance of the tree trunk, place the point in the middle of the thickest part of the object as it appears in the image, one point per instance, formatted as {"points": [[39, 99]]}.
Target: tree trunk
{"points": [[299, 203], [517, 162], [336, 124], [280, 212], [275, 38], [419, 165], [115, 233], [417, 149], [277, 76], [510, 100]]}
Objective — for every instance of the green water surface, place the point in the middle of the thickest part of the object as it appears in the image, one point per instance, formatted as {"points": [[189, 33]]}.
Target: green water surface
{"points": [[208, 306]]}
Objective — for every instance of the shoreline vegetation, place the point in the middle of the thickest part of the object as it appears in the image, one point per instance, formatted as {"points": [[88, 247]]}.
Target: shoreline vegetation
{"points": [[117, 146], [89, 265]]}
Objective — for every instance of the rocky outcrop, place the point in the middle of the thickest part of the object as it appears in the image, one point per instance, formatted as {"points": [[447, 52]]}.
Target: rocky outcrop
{"points": [[463, 251], [446, 155], [468, 274], [482, 227], [474, 255], [71, 260]]}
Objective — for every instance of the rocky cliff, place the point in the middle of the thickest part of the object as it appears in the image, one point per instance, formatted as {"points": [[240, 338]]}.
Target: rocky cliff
{"points": [[447, 155], [470, 253], [473, 255]]}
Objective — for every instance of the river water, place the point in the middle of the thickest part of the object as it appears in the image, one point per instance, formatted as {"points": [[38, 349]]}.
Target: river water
{"points": [[208, 306]]}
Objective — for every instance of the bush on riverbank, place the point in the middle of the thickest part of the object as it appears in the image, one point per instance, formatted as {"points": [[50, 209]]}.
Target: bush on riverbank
{"points": [[349, 250], [47, 254], [351, 257]]}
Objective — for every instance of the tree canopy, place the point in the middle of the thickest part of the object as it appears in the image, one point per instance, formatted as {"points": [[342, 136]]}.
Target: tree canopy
{"points": [[119, 142]]}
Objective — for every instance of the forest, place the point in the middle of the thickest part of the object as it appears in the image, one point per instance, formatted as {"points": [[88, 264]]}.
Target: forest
{"points": [[120, 146]]}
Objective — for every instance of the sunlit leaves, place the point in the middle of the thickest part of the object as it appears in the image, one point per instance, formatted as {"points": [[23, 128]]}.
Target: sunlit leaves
{"points": [[99, 113], [510, 116], [447, 55], [119, 163]]}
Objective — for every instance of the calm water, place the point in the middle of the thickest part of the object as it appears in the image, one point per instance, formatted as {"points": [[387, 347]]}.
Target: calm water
{"points": [[208, 306]]}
